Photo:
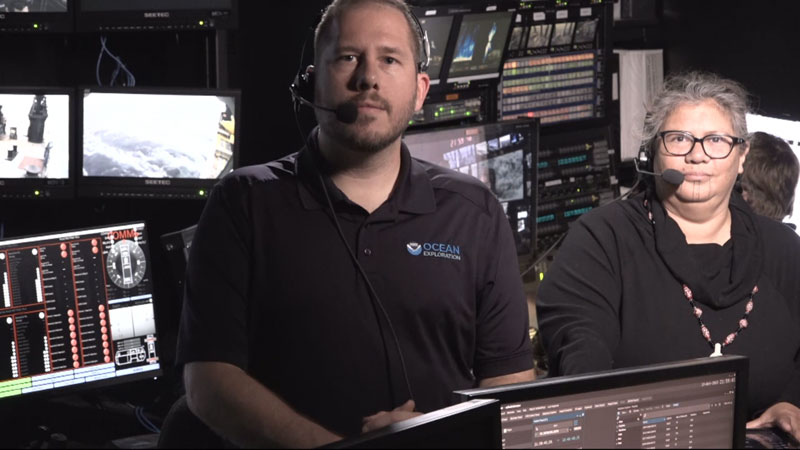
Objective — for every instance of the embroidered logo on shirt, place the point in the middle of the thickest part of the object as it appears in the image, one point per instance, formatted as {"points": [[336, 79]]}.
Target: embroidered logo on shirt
{"points": [[435, 250], [414, 248]]}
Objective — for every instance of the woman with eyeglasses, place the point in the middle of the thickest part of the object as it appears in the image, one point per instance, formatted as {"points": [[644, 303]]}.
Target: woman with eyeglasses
{"points": [[683, 268]]}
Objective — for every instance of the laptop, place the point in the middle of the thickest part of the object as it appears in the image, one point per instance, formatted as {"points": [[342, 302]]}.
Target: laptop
{"points": [[692, 403]]}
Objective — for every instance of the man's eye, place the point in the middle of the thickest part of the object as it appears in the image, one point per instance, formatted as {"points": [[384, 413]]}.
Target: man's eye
{"points": [[390, 60]]}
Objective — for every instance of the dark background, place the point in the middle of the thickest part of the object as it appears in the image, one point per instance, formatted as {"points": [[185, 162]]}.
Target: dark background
{"points": [[756, 43]]}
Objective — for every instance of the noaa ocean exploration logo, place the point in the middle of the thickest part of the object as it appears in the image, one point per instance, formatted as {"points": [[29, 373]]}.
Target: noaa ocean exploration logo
{"points": [[414, 248], [435, 250]]}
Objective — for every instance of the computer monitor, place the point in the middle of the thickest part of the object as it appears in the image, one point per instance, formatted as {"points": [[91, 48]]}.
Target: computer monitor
{"points": [[35, 143], [140, 15], [438, 30], [76, 310], [470, 424], [788, 130], [36, 16], [501, 155], [165, 143], [697, 403], [479, 48]]}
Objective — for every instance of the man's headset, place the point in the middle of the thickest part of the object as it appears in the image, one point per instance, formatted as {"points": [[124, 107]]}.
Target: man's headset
{"points": [[302, 88]]}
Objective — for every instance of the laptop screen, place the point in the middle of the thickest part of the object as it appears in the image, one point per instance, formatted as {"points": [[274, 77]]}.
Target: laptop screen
{"points": [[683, 405]]}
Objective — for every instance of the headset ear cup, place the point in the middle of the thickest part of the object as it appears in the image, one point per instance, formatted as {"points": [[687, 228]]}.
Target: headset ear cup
{"points": [[304, 82]]}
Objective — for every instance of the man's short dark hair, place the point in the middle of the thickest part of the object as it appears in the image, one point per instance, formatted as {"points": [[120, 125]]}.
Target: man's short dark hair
{"points": [[770, 176], [335, 9]]}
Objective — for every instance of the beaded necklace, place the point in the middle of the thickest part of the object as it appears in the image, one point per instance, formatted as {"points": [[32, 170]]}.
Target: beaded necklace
{"points": [[698, 313]]}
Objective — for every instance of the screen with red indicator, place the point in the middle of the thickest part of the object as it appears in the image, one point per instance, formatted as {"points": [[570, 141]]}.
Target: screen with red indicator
{"points": [[76, 310]]}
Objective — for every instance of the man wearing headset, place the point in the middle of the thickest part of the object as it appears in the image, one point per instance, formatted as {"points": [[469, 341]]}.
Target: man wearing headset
{"points": [[349, 286]]}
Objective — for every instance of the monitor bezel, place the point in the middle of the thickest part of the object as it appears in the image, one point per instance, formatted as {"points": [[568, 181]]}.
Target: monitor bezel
{"points": [[423, 14], [530, 177], [626, 377], [447, 76], [55, 188], [106, 382], [158, 19], [412, 432], [129, 187], [40, 21]]}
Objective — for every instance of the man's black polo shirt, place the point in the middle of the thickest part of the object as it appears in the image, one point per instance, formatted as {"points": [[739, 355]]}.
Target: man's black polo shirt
{"points": [[271, 288]]}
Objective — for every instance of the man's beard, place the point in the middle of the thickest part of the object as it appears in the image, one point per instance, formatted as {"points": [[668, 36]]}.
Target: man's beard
{"points": [[356, 137]]}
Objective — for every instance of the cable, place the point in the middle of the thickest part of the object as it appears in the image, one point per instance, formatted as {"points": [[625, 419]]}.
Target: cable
{"points": [[373, 294], [546, 252], [142, 418], [130, 79]]}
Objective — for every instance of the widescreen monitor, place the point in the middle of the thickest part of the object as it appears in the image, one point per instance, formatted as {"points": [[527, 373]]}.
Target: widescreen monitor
{"points": [[500, 155], [25, 16], [697, 403], [469, 424], [788, 130], [480, 46], [35, 143], [140, 15], [76, 310], [165, 143], [438, 31]]}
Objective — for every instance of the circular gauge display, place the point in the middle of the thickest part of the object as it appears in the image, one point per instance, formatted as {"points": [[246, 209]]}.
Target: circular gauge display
{"points": [[126, 264]]}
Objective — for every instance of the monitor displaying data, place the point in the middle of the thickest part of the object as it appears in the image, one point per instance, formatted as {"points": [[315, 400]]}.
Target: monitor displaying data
{"points": [[479, 48], [34, 135], [789, 131], [500, 155], [688, 404], [556, 88], [76, 310]]}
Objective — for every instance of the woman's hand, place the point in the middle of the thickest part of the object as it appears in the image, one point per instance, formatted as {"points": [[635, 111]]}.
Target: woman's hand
{"points": [[783, 415]]}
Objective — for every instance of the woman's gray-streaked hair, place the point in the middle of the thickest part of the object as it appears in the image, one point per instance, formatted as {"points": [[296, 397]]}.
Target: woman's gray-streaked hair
{"points": [[692, 88], [335, 9]]}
